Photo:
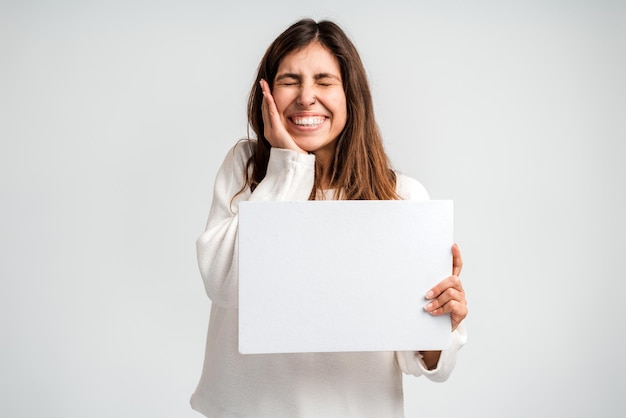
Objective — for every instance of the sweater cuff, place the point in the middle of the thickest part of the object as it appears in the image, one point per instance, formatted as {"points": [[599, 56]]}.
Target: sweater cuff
{"points": [[447, 360], [411, 362], [290, 176]]}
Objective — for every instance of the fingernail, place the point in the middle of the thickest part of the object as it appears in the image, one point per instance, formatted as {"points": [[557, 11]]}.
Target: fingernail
{"points": [[427, 307], [429, 295]]}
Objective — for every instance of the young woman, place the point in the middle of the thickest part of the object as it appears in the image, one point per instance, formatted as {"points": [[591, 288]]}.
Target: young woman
{"points": [[312, 113]]}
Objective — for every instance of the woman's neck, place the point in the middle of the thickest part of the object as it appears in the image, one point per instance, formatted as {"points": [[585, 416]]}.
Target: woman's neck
{"points": [[324, 160]]}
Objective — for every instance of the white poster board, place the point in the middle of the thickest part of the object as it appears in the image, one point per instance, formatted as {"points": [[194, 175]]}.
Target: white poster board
{"points": [[333, 276]]}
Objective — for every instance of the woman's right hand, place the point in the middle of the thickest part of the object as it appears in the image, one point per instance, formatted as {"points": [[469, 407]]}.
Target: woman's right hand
{"points": [[274, 128]]}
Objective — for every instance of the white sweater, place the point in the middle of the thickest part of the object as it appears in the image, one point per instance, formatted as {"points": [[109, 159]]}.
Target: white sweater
{"points": [[363, 384]]}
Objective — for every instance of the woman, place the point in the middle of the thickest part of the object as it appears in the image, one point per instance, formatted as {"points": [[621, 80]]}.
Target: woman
{"points": [[312, 112]]}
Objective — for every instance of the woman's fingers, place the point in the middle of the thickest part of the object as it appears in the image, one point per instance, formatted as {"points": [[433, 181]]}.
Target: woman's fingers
{"points": [[449, 282], [266, 112], [457, 260], [449, 301], [449, 289], [439, 305]]}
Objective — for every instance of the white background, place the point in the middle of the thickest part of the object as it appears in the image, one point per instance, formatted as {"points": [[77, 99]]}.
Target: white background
{"points": [[114, 117]]}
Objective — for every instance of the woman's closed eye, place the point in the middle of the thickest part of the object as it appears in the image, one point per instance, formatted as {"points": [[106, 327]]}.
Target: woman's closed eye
{"points": [[327, 81]]}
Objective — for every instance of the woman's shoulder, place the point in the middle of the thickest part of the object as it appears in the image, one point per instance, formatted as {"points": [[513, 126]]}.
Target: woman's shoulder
{"points": [[410, 189], [239, 154], [244, 148]]}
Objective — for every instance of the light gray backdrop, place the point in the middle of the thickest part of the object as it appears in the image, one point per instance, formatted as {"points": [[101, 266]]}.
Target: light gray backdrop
{"points": [[115, 115]]}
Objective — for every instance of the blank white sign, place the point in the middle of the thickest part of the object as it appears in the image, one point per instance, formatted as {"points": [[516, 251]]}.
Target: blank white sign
{"points": [[332, 276]]}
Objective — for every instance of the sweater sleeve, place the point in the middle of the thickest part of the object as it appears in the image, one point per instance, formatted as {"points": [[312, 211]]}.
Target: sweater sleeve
{"points": [[289, 176], [410, 362]]}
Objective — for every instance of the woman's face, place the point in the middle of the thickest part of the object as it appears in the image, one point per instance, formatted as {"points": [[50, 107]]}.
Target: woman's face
{"points": [[309, 96]]}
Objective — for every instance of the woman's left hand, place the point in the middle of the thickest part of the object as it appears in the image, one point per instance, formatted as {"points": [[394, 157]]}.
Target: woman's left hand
{"points": [[448, 295]]}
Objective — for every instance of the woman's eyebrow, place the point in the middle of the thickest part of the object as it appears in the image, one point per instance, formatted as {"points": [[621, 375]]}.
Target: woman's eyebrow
{"points": [[327, 75], [288, 75]]}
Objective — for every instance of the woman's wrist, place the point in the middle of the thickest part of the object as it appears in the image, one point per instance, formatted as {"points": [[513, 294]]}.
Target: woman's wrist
{"points": [[430, 358]]}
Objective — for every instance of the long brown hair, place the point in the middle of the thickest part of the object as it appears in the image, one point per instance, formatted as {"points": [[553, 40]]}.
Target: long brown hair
{"points": [[361, 169]]}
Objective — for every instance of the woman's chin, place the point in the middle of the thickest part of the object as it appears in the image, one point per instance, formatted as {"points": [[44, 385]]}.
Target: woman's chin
{"points": [[313, 146]]}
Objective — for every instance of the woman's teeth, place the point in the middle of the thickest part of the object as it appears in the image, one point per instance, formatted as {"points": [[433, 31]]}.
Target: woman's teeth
{"points": [[309, 121]]}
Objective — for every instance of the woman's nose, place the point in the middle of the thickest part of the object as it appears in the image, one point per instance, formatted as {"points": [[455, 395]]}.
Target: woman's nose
{"points": [[306, 96]]}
